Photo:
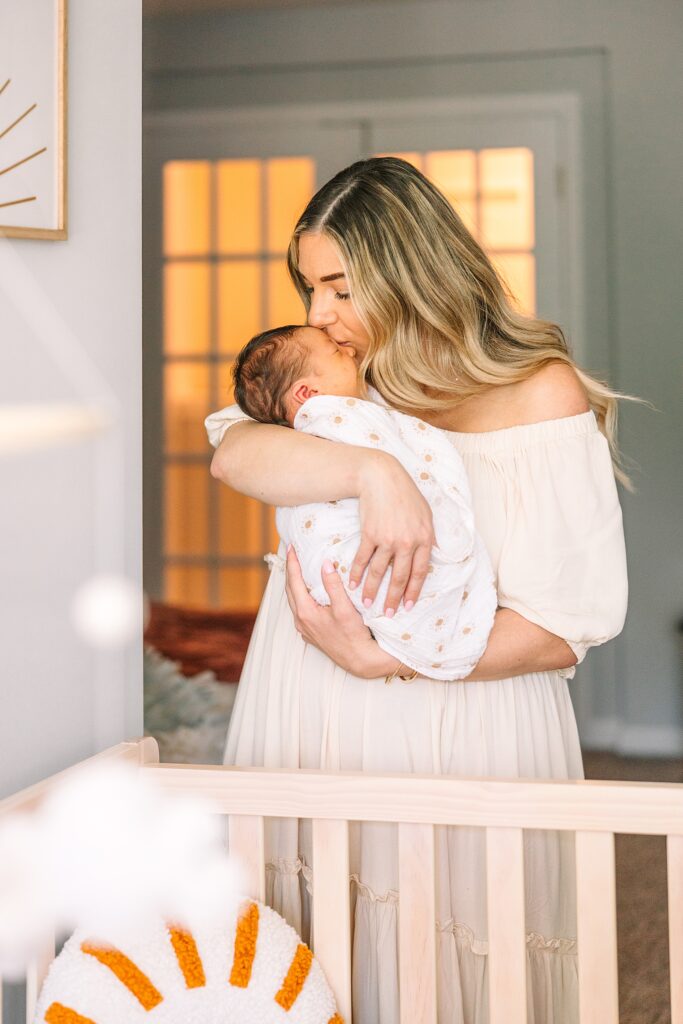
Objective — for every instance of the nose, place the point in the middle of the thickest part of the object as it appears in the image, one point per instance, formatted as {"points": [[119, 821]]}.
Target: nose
{"points": [[321, 312]]}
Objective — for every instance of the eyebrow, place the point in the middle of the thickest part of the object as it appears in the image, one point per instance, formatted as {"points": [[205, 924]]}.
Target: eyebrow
{"points": [[333, 277]]}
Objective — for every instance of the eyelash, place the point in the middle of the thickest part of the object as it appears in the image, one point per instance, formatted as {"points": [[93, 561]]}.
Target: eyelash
{"points": [[337, 295]]}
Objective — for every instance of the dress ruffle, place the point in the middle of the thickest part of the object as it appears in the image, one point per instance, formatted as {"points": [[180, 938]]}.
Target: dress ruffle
{"points": [[552, 968]]}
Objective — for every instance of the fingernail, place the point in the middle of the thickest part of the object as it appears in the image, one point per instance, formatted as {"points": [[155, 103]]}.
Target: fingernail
{"points": [[389, 613], [289, 548], [352, 584], [408, 605], [327, 566], [367, 602]]}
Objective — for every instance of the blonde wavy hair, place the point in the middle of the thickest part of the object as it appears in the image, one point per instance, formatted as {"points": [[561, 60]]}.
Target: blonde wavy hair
{"points": [[442, 325]]}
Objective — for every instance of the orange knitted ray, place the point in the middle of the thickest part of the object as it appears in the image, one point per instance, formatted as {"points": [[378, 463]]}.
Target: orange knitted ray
{"points": [[127, 972], [295, 978]]}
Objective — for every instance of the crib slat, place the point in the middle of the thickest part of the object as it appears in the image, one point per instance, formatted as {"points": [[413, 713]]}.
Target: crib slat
{"points": [[417, 924], [597, 928], [506, 925], [332, 908], [35, 975], [674, 867], [246, 843]]}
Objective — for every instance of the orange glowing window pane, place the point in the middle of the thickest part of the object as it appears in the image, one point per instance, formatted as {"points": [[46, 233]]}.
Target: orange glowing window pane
{"points": [[518, 270], [186, 207], [241, 530], [506, 180], [454, 172], [186, 493], [241, 589], [284, 304], [238, 218], [416, 159], [226, 395], [239, 303], [186, 308], [186, 400], [186, 585], [273, 535], [290, 183]]}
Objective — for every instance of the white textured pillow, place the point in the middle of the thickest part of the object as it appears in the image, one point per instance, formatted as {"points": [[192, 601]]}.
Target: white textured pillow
{"points": [[253, 969]]}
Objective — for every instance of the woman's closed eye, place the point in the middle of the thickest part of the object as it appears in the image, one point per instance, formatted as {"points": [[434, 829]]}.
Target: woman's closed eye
{"points": [[308, 289]]}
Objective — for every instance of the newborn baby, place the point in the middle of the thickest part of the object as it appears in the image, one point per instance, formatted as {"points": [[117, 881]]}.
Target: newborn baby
{"points": [[299, 377]]}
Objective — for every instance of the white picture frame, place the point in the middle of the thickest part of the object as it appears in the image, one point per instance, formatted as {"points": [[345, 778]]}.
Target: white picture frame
{"points": [[33, 83]]}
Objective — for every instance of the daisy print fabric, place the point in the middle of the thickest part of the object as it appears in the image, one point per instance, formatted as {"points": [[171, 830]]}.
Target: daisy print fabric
{"points": [[444, 635]]}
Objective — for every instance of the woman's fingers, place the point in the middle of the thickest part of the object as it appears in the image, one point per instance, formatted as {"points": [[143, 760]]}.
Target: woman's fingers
{"points": [[418, 574], [300, 601], [333, 584], [360, 562], [396, 526], [379, 563], [400, 574]]}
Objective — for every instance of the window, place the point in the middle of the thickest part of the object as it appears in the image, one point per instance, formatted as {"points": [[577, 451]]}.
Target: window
{"points": [[226, 226], [493, 192]]}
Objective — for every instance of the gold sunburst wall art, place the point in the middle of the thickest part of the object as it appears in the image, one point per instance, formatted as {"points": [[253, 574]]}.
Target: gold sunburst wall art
{"points": [[33, 118]]}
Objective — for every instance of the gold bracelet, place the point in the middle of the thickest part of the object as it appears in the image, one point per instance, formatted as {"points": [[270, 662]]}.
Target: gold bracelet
{"points": [[412, 674], [409, 678], [391, 676]]}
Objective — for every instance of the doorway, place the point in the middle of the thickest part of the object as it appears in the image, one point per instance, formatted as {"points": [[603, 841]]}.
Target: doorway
{"points": [[222, 194]]}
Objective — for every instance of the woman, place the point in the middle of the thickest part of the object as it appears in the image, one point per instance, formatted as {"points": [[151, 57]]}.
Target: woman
{"points": [[384, 265]]}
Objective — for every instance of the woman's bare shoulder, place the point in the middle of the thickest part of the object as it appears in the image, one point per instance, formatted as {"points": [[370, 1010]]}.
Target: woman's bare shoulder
{"points": [[553, 392]]}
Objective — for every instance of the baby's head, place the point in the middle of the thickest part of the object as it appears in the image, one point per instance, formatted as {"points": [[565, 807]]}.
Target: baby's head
{"points": [[277, 371]]}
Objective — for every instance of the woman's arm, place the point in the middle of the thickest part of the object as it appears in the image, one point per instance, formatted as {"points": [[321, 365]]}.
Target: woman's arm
{"points": [[281, 466], [515, 647], [286, 467]]}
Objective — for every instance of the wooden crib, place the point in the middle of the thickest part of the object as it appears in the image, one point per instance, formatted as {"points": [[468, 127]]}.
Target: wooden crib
{"points": [[594, 810]]}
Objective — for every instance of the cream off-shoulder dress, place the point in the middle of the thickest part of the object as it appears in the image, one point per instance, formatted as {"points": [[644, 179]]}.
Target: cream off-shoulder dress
{"points": [[546, 506]]}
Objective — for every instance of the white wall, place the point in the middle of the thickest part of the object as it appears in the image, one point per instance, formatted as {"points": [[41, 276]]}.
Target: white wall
{"points": [[622, 59], [60, 703]]}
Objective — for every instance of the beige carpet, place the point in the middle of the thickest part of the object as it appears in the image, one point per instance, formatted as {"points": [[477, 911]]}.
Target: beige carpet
{"points": [[642, 918]]}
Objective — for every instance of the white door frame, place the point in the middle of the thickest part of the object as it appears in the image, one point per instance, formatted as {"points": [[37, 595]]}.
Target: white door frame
{"points": [[194, 126]]}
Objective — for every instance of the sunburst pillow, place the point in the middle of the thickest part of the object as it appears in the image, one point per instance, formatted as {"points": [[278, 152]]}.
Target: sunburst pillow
{"points": [[252, 969]]}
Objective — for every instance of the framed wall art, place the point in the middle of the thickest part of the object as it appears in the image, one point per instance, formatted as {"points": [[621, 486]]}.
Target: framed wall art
{"points": [[33, 119]]}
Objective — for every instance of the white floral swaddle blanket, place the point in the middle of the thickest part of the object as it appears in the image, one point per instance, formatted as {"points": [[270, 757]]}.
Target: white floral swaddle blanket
{"points": [[445, 633]]}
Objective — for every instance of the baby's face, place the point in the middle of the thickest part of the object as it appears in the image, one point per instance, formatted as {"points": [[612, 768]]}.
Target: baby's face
{"points": [[331, 369]]}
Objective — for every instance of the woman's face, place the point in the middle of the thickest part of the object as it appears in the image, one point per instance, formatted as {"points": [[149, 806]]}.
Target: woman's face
{"points": [[331, 306]]}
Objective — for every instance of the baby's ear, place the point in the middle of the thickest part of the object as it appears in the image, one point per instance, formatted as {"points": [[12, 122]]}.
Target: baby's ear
{"points": [[301, 392]]}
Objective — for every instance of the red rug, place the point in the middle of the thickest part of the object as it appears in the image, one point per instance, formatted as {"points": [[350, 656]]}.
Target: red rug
{"points": [[201, 640]]}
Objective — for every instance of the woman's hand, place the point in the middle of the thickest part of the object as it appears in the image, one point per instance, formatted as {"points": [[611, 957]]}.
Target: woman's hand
{"points": [[338, 630], [397, 529]]}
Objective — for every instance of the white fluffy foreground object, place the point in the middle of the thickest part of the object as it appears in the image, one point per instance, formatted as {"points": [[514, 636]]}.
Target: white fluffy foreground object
{"points": [[109, 852], [251, 968]]}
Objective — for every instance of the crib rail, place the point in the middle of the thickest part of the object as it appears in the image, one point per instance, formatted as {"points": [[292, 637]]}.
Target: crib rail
{"points": [[595, 811]]}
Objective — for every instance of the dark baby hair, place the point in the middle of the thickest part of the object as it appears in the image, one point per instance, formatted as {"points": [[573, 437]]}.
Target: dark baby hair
{"points": [[264, 372]]}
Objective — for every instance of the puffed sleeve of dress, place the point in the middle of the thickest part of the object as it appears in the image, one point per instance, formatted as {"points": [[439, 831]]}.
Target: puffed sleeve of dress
{"points": [[218, 422], [563, 559]]}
